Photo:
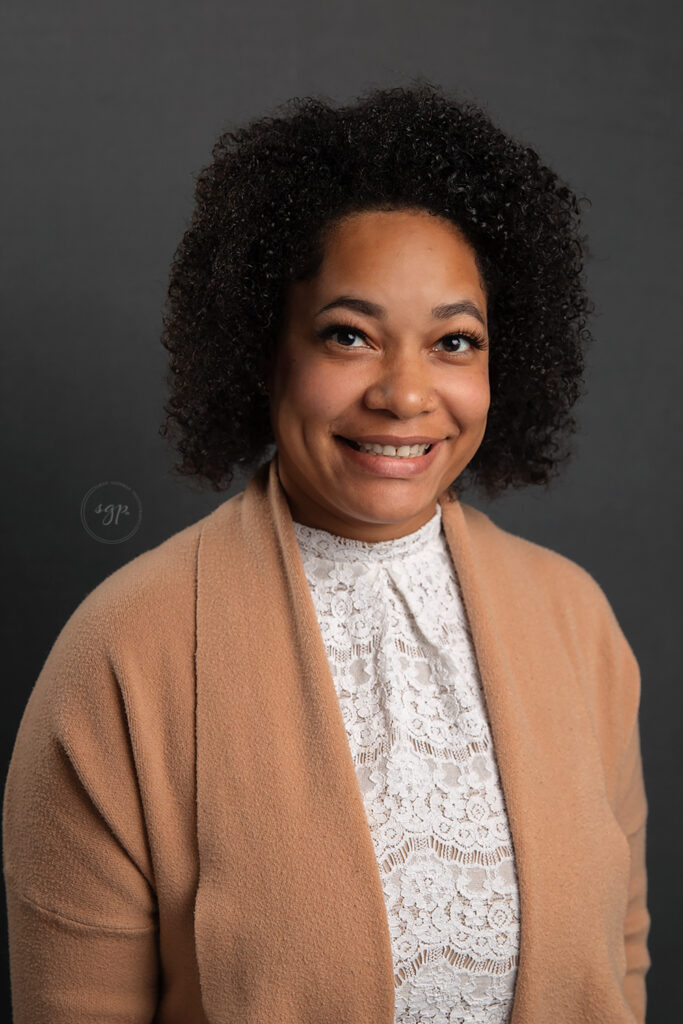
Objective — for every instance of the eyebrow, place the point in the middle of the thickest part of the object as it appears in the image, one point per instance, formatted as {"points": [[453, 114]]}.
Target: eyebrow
{"points": [[443, 312]]}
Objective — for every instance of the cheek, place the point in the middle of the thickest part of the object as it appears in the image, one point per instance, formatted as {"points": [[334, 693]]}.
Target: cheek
{"points": [[469, 399], [315, 393]]}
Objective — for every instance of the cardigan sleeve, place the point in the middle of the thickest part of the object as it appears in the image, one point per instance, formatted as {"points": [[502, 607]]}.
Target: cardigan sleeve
{"points": [[81, 904], [631, 812]]}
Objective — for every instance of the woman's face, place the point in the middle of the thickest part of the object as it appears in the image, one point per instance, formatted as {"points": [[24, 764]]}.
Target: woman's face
{"points": [[396, 371]]}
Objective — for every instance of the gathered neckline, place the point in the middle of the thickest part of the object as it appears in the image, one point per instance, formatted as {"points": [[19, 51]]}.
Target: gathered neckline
{"points": [[323, 544]]}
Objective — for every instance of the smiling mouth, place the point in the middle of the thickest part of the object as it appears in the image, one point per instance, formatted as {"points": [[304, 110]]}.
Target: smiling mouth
{"points": [[357, 447]]}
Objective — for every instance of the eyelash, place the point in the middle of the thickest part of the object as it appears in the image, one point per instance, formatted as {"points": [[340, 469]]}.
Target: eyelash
{"points": [[326, 332]]}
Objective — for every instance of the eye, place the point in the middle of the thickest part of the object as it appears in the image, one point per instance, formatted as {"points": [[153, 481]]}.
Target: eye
{"points": [[341, 329], [473, 340]]}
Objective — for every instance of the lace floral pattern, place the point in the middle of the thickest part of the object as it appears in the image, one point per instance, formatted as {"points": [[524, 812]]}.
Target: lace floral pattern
{"points": [[403, 663]]}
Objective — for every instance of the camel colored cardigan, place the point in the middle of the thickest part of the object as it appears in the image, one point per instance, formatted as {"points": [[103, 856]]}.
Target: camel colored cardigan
{"points": [[185, 839]]}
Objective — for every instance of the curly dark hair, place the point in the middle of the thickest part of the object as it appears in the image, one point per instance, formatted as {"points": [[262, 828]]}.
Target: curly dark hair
{"points": [[263, 208]]}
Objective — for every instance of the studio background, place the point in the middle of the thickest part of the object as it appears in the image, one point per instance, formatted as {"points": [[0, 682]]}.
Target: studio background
{"points": [[110, 111]]}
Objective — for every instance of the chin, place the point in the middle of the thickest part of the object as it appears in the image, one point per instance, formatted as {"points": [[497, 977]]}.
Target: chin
{"points": [[387, 509]]}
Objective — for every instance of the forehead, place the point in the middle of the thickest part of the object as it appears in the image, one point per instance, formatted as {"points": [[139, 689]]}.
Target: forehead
{"points": [[394, 257], [395, 229]]}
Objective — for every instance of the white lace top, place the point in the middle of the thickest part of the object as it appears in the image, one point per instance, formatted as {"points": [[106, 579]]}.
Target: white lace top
{"points": [[401, 655]]}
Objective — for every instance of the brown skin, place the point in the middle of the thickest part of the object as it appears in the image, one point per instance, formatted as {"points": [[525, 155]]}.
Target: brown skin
{"points": [[402, 375]]}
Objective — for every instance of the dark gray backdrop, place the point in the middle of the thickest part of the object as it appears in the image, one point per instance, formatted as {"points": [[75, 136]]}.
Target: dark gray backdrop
{"points": [[109, 111]]}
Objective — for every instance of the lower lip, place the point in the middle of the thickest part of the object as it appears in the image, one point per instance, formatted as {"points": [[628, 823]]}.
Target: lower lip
{"points": [[388, 465]]}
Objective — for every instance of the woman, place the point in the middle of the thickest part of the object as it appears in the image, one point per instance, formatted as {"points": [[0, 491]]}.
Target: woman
{"points": [[344, 749]]}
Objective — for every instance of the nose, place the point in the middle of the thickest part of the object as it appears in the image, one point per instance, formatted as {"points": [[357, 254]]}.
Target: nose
{"points": [[403, 386]]}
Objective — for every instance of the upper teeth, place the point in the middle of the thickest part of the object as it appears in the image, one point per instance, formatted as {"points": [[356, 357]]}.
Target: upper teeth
{"points": [[405, 451]]}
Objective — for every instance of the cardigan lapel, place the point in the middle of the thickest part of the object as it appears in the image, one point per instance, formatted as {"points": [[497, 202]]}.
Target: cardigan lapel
{"points": [[290, 919], [571, 857]]}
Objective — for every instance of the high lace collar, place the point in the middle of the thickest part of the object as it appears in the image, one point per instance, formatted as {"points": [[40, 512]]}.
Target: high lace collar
{"points": [[324, 544]]}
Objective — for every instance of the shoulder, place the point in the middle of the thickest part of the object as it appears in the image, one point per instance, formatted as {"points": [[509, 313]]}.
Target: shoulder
{"points": [[135, 627], [531, 562], [567, 598], [149, 589]]}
